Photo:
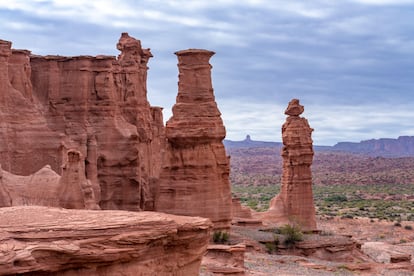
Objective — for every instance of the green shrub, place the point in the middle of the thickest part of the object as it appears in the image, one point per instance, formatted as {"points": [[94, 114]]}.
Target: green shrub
{"points": [[271, 247], [220, 237], [291, 233], [336, 198], [225, 237]]}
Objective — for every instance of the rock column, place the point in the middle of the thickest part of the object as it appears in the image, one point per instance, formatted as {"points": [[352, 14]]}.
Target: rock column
{"points": [[194, 178], [295, 204]]}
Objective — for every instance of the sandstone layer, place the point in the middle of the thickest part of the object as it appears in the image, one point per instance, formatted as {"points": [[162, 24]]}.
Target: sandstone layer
{"points": [[294, 204], [194, 179], [95, 105], [50, 241]]}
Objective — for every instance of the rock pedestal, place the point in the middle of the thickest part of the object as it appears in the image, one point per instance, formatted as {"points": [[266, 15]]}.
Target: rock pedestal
{"points": [[294, 204], [194, 179]]}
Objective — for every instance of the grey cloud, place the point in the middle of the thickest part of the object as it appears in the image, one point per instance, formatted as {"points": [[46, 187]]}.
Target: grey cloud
{"points": [[345, 60]]}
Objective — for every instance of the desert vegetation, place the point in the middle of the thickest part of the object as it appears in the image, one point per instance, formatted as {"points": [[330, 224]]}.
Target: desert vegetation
{"points": [[382, 201], [263, 166], [345, 184]]}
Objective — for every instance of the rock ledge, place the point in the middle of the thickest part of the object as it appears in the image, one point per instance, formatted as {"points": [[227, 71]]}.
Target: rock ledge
{"points": [[54, 241]]}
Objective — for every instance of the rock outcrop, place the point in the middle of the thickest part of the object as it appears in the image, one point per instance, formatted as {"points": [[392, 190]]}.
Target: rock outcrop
{"points": [[223, 259], [387, 253], [45, 187], [82, 127], [5, 198], [294, 204], [49, 241], [194, 179], [95, 105]]}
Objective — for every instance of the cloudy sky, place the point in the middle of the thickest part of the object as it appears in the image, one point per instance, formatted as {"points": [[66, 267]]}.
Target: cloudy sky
{"points": [[350, 62]]}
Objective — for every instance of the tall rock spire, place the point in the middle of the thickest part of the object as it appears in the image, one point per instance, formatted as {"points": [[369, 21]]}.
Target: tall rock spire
{"points": [[194, 177], [295, 203]]}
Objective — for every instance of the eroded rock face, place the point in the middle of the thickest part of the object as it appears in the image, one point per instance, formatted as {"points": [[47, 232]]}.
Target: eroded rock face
{"points": [[40, 241], [5, 198], [95, 105], [47, 188], [194, 179], [294, 204]]}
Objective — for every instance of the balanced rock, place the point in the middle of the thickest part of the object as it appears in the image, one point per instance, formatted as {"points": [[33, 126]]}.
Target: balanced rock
{"points": [[49, 241], [294, 204], [194, 179]]}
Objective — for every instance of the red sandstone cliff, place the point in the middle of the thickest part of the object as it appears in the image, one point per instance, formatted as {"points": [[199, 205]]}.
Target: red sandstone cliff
{"points": [[194, 179], [96, 105]]}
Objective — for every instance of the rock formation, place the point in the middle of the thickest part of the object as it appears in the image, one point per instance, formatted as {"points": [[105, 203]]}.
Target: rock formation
{"points": [[50, 241], [83, 131], [94, 105], [194, 179], [45, 187], [223, 259], [294, 204]]}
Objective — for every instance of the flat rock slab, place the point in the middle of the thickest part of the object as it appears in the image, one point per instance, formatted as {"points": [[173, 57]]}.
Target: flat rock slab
{"points": [[385, 253], [63, 242]]}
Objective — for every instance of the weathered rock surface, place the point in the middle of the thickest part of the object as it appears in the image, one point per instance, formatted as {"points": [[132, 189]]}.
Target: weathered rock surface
{"points": [[386, 253], [223, 259], [294, 204], [54, 241], [194, 179], [45, 187], [240, 211], [95, 105]]}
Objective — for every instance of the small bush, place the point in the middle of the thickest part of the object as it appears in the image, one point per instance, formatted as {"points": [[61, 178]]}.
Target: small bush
{"points": [[220, 237], [397, 224], [336, 198], [408, 227], [292, 234], [225, 237], [271, 247]]}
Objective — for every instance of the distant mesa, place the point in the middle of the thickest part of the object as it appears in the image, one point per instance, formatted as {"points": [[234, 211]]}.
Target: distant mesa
{"points": [[403, 146], [249, 143]]}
